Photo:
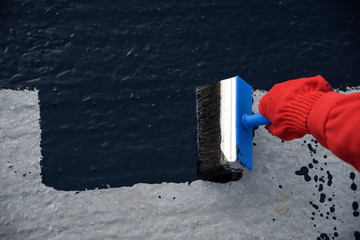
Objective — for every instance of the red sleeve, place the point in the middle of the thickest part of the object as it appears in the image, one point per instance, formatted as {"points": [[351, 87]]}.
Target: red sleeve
{"points": [[334, 121]]}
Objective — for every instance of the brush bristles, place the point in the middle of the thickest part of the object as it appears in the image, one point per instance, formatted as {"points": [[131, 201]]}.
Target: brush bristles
{"points": [[211, 163]]}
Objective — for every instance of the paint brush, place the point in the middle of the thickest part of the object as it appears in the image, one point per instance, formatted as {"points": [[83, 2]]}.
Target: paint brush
{"points": [[225, 129]]}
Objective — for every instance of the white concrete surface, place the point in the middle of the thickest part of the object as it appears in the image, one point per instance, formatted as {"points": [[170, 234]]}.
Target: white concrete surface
{"points": [[255, 207]]}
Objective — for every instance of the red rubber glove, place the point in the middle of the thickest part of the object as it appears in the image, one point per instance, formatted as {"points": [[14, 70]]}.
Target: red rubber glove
{"points": [[287, 105]]}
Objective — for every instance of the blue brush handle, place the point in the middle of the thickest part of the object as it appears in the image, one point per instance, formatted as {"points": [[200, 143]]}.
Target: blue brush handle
{"points": [[250, 121]]}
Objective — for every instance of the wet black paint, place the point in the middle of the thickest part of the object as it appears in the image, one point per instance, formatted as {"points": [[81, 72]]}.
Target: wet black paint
{"points": [[357, 235], [322, 179], [314, 205], [316, 178], [315, 161], [355, 206], [117, 80], [330, 178], [304, 171], [352, 175], [323, 236], [320, 187], [311, 148], [353, 186], [322, 197]]}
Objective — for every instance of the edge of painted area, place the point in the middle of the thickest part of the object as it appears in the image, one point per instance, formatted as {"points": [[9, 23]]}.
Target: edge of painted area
{"points": [[244, 153]]}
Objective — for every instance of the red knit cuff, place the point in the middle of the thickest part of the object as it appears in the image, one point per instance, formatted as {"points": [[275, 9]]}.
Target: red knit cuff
{"points": [[297, 111]]}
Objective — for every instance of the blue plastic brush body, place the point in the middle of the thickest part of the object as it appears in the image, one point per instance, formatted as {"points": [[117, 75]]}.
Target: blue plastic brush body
{"points": [[244, 123]]}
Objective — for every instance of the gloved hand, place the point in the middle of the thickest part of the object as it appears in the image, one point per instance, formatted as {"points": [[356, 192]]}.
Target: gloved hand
{"points": [[287, 105]]}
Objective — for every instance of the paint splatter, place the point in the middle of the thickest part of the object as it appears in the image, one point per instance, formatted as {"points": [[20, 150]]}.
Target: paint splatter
{"points": [[322, 197], [314, 205], [353, 185], [355, 206], [357, 235], [323, 236], [304, 171], [311, 148], [320, 187], [315, 161], [332, 209], [316, 178], [322, 179], [330, 178]]}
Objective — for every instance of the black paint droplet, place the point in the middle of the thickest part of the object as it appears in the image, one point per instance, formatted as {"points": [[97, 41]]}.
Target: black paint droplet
{"points": [[324, 236], [357, 235], [356, 214], [336, 234], [315, 206], [274, 219], [330, 178], [304, 171], [353, 185], [310, 165], [315, 161], [316, 178], [280, 186], [325, 156], [322, 197], [355, 205], [332, 209], [320, 187], [159, 196], [311, 148]]}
